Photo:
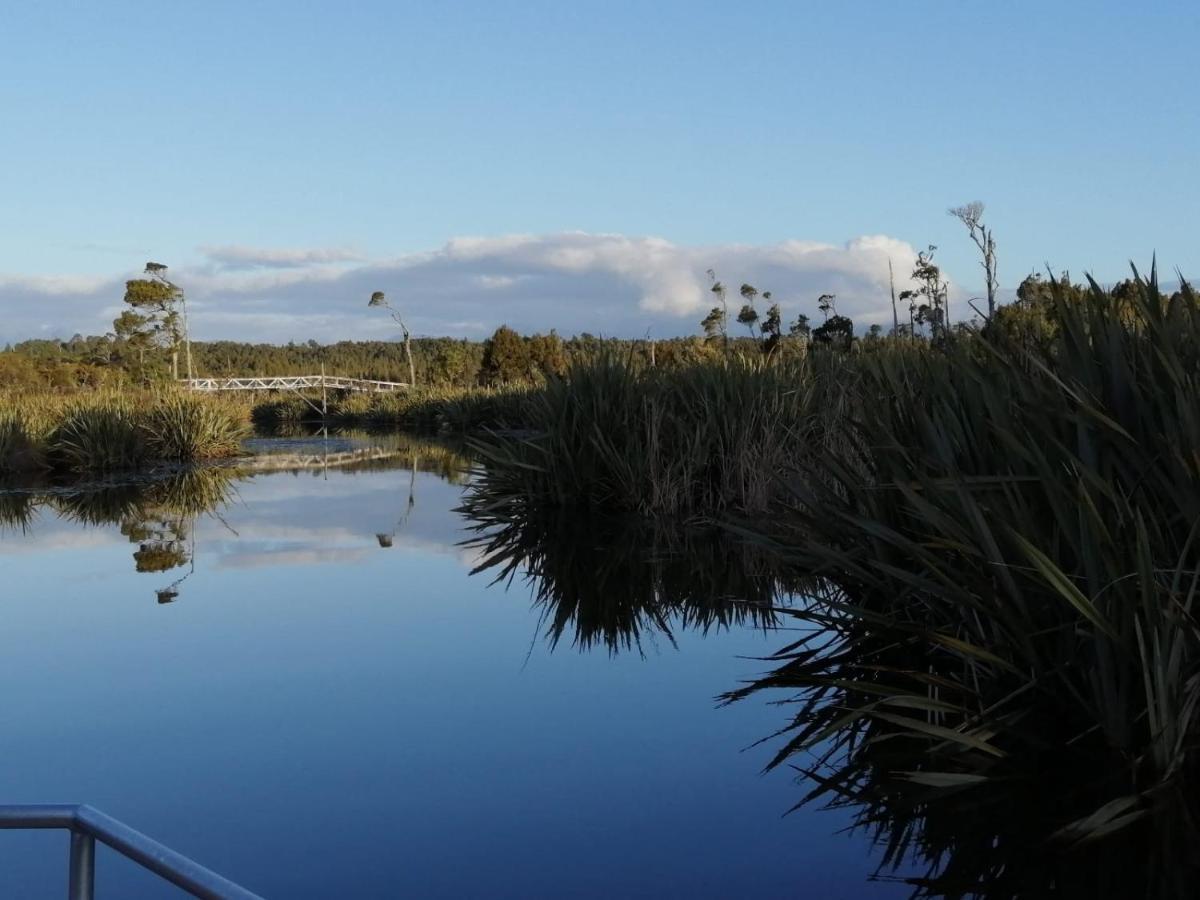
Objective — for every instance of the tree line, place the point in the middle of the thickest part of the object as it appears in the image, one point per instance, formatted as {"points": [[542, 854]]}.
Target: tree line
{"points": [[149, 339]]}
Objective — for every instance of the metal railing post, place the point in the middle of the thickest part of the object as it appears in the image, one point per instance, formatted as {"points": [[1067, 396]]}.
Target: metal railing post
{"points": [[81, 883]]}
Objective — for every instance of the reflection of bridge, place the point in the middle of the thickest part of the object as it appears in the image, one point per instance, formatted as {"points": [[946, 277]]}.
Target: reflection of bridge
{"points": [[294, 383], [292, 462]]}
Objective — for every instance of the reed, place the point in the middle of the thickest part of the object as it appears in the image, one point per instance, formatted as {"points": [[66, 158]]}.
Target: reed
{"points": [[108, 431], [183, 428], [1007, 543], [616, 437], [98, 435], [434, 410]]}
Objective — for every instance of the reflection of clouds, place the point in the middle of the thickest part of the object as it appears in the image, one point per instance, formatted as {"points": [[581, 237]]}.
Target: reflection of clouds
{"points": [[471, 557], [43, 537], [288, 520], [264, 531], [292, 556], [317, 549], [282, 519]]}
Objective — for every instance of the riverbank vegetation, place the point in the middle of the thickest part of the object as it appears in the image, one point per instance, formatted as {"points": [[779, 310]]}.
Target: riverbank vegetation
{"points": [[1001, 534], [107, 431], [446, 410]]}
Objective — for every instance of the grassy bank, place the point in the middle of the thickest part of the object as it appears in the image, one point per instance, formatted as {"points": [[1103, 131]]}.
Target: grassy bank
{"points": [[429, 410], [106, 431]]}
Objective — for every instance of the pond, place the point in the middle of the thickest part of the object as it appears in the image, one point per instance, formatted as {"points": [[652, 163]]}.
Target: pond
{"points": [[293, 677]]}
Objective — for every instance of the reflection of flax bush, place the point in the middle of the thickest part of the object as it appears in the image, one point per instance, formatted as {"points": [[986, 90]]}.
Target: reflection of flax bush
{"points": [[619, 582], [138, 508]]}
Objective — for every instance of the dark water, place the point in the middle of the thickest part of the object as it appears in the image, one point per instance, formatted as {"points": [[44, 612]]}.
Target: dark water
{"points": [[315, 713]]}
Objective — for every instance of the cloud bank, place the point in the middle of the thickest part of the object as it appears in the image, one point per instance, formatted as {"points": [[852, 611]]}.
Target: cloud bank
{"points": [[608, 284]]}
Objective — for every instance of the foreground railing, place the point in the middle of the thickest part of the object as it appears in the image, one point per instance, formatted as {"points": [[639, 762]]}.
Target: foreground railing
{"points": [[88, 825]]}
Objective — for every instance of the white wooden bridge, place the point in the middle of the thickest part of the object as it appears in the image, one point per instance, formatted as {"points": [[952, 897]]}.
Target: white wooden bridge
{"points": [[294, 383]]}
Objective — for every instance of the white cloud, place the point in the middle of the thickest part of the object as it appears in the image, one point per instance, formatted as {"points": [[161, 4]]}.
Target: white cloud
{"points": [[608, 284], [241, 257]]}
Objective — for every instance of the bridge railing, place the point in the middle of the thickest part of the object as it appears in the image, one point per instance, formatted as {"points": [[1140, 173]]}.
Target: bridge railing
{"points": [[293, 383], [88, 825]]}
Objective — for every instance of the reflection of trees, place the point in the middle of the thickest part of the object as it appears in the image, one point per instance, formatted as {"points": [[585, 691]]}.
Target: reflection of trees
{"points": [[388, 538], [615, 582], [157, 515], [162, 543]]}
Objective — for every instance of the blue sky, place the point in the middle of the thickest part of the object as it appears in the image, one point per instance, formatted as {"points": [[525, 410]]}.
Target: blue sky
{"points": [[367, 135]]}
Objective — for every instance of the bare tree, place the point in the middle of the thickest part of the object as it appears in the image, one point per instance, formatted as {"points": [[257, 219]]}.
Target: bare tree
{"points": [[971, 215], [378, 299], [892, 285]]}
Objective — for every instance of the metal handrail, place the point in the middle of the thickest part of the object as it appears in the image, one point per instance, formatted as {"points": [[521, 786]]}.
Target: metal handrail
{"points": [[88, 825], [292, 383]]}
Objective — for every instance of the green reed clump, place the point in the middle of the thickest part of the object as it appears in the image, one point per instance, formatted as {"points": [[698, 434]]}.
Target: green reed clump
{"points": [[106, 432], [618, 437], [1008, 541], [98, 435], [281, 412], [183, 428], [19, 450]]}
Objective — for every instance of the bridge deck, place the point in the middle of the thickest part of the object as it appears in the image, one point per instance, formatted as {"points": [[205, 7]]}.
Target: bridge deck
{"points": [[293, 383]]}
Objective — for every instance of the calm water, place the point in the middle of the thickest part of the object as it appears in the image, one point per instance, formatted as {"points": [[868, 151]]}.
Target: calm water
{"points": [[316, 714]]}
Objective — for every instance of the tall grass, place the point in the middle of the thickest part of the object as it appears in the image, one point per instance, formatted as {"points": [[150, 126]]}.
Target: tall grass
{"points": [[612, 436], [98, 436], [1008, 545], [181, 428], [108, 431], [430, 410]]}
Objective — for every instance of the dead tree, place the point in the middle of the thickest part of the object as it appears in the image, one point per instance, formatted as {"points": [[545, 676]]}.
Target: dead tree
{"points": [[971, 215]]}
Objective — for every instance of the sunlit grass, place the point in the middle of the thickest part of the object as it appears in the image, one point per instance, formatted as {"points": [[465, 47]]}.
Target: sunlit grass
{"points": [[110, 431]]}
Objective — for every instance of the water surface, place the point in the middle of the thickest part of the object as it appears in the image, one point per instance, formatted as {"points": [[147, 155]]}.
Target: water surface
{"points": [[329, 704]]}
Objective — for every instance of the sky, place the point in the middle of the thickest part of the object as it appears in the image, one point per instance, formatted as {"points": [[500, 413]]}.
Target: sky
{"points": [[576, 165]]}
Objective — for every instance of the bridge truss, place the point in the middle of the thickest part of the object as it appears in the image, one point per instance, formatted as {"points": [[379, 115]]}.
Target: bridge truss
{"points": [[294, 383]]}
